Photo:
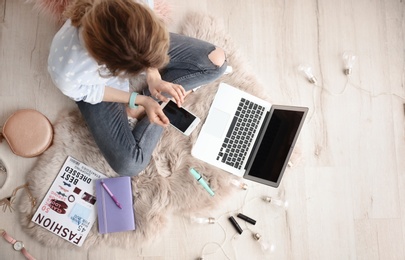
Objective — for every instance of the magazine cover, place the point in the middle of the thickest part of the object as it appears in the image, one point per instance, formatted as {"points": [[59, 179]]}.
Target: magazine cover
{"points": [[69, 207]]}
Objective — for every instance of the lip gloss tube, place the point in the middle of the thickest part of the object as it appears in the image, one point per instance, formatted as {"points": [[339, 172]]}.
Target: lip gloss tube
{"points": [[236, 225], [247, 219]]}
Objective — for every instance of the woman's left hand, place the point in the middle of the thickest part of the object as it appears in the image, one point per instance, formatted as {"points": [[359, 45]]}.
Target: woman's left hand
{"points": [[157, 86]]}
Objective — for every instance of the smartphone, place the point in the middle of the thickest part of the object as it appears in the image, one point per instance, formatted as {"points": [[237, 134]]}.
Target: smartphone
{"points": [[180, 118]]}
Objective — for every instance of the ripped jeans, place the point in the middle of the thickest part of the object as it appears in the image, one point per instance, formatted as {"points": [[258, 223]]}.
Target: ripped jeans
{"points": [[129, 152]]}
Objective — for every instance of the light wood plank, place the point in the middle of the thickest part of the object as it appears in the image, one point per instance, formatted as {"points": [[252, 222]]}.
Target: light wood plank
{"points": [[329, 213], [379, 239]]}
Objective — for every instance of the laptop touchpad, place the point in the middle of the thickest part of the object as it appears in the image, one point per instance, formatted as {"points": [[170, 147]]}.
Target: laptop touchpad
{"points": [[216, 125]]}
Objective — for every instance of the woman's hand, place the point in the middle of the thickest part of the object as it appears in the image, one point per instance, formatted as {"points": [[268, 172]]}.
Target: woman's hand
{"points": [[157, 86], [153, 110], [148, 105]]}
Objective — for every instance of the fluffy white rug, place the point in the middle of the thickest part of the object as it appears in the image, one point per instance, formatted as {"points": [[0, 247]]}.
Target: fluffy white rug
{"points": [[165, 187]]}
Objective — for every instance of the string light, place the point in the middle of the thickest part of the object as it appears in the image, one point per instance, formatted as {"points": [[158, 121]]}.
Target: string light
{"points": [[276, 202], [239, 184], [349, 58], [202, 220], [307, 71], [220, 246], [212, 221], [266, 246]]}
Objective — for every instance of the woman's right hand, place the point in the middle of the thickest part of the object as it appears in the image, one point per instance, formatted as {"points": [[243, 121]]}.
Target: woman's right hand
{"points": [[157, 87], [153, 110]]}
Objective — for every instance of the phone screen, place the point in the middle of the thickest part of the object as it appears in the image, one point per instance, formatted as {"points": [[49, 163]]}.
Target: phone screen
{"points": [[179, 117]]}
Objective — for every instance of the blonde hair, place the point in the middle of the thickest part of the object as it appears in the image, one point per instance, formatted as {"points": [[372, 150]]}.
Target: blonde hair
{"points": [[125, 36]]}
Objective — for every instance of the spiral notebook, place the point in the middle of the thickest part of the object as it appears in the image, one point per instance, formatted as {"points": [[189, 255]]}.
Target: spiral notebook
{"points": [[112, 218]]}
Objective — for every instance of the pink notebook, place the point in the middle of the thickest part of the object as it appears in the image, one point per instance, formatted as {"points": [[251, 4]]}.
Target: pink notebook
{"points": [[111, 218]]}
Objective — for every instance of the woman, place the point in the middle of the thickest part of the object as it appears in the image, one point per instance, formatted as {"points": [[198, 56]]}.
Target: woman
{"points": [[105, 42]]}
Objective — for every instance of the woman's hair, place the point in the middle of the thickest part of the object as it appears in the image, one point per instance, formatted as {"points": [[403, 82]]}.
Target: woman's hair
{"points": [[125, 36]]}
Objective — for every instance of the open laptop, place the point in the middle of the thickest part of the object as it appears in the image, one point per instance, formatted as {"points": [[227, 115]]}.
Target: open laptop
{"points": [[257, 147]]}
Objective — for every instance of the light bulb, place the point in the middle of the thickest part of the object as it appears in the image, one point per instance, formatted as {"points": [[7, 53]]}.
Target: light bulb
{"points": [[349, 59], [307, 71], [276, 202], [201, 220], [266, 246], [239, 184]]}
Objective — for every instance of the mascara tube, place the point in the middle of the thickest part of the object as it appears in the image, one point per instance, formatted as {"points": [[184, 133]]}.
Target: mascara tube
{"points": [[236, 225]]}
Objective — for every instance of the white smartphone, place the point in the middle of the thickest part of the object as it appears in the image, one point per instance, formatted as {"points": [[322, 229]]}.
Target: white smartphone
{"points": [[180, 118]]}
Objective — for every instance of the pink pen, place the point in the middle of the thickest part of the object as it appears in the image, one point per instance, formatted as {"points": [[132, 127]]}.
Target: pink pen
{"points": [[111, 194]]}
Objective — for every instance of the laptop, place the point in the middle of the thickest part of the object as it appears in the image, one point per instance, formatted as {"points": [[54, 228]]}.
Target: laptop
{"points": [[248, 136]]}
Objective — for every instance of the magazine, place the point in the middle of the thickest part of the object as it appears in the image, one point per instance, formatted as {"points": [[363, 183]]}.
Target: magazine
{"points": [[69, 207]]}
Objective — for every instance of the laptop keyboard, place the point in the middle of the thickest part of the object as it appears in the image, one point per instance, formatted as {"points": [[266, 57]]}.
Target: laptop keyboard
{"points": [[240, 134]]}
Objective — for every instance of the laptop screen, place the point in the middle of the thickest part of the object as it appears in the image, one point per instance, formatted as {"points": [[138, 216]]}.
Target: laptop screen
{"points": [[276, 146]]}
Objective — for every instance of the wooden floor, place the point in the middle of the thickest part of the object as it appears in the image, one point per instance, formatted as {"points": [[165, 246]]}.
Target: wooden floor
{"points": [[346, 189]]}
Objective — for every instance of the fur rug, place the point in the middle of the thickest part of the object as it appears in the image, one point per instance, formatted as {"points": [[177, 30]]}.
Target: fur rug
{"points": [[165, 187]]}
